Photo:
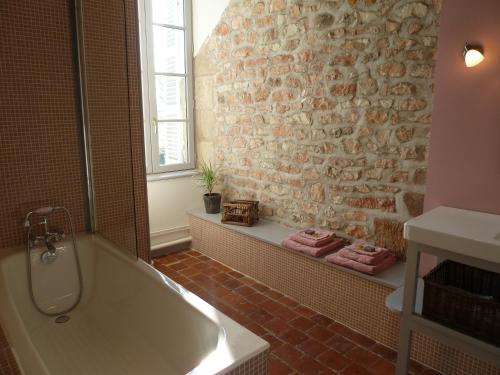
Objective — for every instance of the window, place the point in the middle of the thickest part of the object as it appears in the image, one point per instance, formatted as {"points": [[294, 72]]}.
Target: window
{"points": [[167, 84]]}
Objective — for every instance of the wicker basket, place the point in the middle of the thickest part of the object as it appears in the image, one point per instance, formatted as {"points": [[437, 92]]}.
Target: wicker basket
{"points": [[241, 212], [464, 298]]}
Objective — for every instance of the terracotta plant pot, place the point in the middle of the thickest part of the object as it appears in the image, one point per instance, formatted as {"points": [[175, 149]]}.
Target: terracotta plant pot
{"points": [[212, 203]]}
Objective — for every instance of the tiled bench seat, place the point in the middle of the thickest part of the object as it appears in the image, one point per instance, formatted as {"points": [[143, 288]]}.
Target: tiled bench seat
{"points": [[349, 297]]}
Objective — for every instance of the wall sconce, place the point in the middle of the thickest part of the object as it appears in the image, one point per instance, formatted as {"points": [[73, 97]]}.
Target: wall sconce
{"points": [[473, 55]]}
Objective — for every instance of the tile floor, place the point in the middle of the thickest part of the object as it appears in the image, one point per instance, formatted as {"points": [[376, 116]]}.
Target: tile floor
{"points": [[302, 341]]}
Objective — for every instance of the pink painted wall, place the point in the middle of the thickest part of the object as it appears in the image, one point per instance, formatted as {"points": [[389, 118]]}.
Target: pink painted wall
{"points": [[464, 160]]}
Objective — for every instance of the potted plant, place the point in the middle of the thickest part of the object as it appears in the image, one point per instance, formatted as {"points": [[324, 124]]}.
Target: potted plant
{"points": [[207, 179]]}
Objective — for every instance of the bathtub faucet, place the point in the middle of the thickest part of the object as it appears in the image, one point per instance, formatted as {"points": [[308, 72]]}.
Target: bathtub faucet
{"points": [[48, 238]]}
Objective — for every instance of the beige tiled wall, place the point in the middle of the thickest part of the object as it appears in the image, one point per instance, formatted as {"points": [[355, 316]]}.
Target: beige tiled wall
{"points": [[254, 366], [115, 122], [342, 296], [39, 115]]}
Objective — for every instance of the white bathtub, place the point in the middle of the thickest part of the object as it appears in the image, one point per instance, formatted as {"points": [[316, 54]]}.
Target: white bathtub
{"points": [[131, 320]]}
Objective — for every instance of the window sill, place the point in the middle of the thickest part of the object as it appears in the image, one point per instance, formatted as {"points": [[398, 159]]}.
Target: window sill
{"points": [[171, 175]]}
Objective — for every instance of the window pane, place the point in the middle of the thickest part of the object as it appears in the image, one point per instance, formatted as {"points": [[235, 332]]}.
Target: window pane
{"points": [[170, 98], [172, 140], [168, 12], [168, 50]]}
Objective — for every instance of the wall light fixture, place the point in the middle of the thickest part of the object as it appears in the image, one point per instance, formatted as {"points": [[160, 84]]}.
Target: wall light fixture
{"points": [[473, 55]]}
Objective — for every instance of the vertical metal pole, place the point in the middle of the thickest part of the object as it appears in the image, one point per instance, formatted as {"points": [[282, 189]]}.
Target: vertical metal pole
{"points": [[410, 291], [82, 76]]}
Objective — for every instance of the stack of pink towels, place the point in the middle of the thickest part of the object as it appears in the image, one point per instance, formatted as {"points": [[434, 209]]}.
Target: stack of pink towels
{"points": [[363, 257], [313, 241]]}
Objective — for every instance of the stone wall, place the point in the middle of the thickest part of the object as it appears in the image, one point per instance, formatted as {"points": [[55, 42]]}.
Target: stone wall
{"points": [[321, 109]]}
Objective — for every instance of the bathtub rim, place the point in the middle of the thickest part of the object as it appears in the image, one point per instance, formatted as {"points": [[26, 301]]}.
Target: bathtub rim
{"points": [[233, 339]]}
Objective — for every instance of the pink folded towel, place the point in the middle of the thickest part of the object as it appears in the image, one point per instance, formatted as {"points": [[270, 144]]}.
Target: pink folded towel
{"points": [[359, 247], [387, 262], [310, 250], [314, 237], [347, 253]]}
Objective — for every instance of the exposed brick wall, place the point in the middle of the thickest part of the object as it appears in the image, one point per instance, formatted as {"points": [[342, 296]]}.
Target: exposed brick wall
{"points": [[322, 109]]}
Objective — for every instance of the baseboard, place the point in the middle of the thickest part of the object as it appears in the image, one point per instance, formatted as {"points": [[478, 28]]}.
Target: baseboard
{"points": [[172, 247], [166, 236], [170, 240]]}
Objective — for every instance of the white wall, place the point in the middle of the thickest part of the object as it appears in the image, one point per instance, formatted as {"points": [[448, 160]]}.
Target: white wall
{"points": [[206, 15], [168, 201]]}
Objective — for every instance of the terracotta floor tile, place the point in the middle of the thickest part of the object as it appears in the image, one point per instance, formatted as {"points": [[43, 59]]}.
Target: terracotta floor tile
{"points": [[361, 355], [236, 274], [294, 336], [261, 316], [219, 291], [257, 298], [289, 355], [383, 367], [302, 323], [286, 314], [178, 266], [341, 329], [271, 306], [246, 307], [201, 266], [256, 328], [260, 287], [232, 298], [276, 326], [178, 278], [312, 347], [273, 341], [320, 333], [188, 272], [355, 369], [247, 280], [244, 290], [165, 269], [202, 279], [221, 277], [333, 360], [232, 283], [384, 351], [322, 320], [308, 366], [302, 340], [211, 271], [273, 294], [304, 311], [194, 253], [340, 343], [193, 287], [289, 302], [362, 340], [277, 367]]}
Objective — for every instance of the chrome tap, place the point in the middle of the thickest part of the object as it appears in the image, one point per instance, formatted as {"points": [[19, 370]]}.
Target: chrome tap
{"points": [[48, 238]]}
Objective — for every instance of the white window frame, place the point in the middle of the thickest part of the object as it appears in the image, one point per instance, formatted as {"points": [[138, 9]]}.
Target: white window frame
{"points": [[149, 91]]}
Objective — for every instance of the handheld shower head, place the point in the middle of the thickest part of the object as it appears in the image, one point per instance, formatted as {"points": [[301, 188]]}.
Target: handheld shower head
{"points": [[43, 211], [26, 222]]}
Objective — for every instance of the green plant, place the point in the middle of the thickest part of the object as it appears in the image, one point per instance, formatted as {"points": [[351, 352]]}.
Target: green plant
{"points": [[207, 176]]}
